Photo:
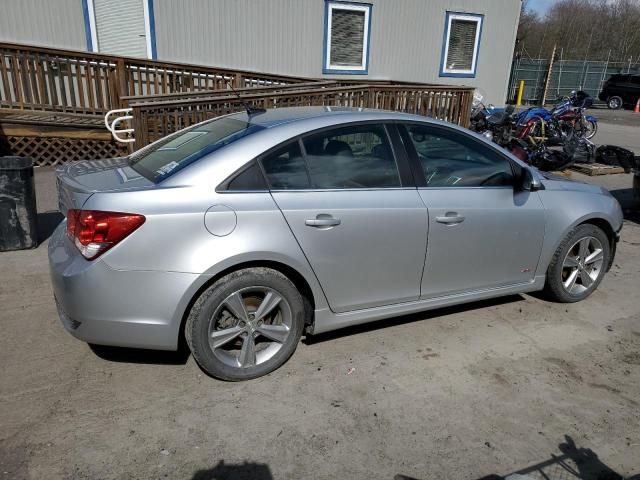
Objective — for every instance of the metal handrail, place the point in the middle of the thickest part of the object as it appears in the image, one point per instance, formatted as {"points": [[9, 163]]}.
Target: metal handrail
{"points": [[112, 125]]}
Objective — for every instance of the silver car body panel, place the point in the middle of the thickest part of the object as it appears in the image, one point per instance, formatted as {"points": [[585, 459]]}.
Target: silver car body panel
{"points": [[373, 257], [497, 244], [389, 256]]}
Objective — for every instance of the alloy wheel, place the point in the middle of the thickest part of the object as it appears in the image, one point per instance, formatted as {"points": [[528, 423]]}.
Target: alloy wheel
{"points": [[250, 326], [582, 265], [614, 103]]}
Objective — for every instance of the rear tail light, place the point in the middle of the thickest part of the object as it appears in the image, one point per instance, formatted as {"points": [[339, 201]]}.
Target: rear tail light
{"points": [[94, 232]]}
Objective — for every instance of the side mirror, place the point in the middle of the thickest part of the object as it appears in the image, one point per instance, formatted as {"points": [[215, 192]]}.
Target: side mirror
{"points": [[528, 181]]}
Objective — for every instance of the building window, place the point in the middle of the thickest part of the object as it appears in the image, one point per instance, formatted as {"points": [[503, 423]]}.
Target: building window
{"points": [[460, 45], [122, 27], [346, 37]]}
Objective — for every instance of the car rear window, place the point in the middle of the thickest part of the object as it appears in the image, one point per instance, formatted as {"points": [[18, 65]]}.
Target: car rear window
{"points": [[177, 151]]}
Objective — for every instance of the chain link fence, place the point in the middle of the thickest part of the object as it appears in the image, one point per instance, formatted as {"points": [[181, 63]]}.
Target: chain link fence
{"points": [[566, 75]]}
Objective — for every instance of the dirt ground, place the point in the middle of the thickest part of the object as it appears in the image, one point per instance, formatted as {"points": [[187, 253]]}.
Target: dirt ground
{"points": [[459, 393]]}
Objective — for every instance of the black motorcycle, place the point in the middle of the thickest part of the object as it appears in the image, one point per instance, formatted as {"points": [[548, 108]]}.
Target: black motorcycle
{"points": [[499, 126]]}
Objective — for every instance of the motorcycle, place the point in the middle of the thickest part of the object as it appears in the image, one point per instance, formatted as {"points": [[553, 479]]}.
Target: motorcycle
{"points": [[566, 118], [535, 151], [480, 113], [499, 126]]}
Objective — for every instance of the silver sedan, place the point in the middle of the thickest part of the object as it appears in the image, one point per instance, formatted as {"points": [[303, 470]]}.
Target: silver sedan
{"points": [[242, 233]]}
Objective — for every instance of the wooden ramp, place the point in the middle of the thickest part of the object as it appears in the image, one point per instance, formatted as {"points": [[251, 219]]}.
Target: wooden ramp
{"points": [[50, 138]]}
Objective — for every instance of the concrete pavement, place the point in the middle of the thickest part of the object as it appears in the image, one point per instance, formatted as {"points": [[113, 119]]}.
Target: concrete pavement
{"points": [[461, 392]]}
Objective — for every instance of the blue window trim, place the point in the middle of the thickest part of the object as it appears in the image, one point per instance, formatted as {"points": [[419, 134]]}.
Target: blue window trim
{"points": [[443, 54], [87, 25], [152, 29], [325, 53]]}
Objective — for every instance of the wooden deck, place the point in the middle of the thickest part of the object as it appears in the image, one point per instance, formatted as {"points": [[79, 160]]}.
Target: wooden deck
{"points": [[53, 102], [52, 137]]}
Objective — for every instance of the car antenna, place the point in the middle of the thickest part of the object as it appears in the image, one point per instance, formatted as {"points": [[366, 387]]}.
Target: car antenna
{"points": [[250, 110]]}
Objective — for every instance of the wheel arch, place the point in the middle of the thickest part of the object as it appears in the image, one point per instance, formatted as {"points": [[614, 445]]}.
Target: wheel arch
{"points": [[598, 220], [298, 279], [604, 225]]}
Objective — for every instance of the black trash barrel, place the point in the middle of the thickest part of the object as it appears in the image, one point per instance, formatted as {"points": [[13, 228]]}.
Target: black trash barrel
{"points": [[18, 214]]}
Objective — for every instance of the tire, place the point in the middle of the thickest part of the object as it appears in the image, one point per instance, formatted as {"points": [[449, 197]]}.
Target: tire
{"points": [[217, 315], [614, 103], [591, 130], [636, 190], [569, 258]]}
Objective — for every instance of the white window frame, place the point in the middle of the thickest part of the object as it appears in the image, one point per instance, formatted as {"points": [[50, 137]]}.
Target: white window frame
{"points": [[363, 67], [147, 27], [457, 72]]}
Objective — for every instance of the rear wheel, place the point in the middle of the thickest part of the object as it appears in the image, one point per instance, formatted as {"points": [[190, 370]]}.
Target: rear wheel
{"points": [[245, 325], [614, 103], [578, 265]]}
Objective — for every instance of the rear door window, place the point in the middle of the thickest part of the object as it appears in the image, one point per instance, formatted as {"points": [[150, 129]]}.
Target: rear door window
{"points": [[249, 180], [354, 156], [285, 168]]}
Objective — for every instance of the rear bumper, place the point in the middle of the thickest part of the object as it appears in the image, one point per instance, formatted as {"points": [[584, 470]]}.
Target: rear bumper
{"points": [[602, 96], [100, 305]]}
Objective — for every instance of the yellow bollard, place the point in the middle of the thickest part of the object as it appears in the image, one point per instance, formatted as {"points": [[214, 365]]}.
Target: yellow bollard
{"points": [[520, 91]]}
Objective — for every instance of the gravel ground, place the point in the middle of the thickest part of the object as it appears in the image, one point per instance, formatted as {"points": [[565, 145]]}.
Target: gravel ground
{"points": [[459, 393]]}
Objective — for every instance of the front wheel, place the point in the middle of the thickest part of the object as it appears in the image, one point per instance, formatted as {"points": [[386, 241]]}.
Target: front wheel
{"points": [[245, 325], [578, 265], [591, 128], [614, 103], [588, 129]]}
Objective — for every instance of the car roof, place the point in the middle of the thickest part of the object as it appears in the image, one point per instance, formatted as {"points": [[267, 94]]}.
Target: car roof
{"points": [[280, 116]]}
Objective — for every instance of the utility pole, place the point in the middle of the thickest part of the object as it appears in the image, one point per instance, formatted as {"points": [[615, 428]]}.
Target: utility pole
{"points": [[546, 82]]}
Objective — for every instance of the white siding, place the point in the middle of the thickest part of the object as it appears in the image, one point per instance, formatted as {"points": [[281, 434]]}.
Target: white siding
{"points": [[286, 36], [47, 23]]}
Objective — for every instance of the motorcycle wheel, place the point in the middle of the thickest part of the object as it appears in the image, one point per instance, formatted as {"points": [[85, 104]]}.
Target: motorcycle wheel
{"points": [[590, 129]]}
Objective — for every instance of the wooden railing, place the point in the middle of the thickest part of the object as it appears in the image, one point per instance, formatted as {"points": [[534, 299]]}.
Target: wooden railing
{"points": [[188, 97], [159, 117], [46, 79], [166, 96]]}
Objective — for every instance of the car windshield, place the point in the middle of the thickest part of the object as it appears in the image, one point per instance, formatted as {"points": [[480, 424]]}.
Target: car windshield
{"points": [[177, 151]]}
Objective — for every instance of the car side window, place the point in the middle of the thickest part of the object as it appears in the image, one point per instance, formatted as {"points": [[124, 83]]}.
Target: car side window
{"points": [[285, 168], [452, 159], [249, 180], [354, 156]]}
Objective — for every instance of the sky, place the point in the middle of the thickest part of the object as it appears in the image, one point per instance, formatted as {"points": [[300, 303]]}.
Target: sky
{"points": [[540, 6]]}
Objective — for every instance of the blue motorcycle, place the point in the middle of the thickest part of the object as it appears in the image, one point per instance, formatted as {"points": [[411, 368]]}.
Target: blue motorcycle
{"points": [[566, 118]]}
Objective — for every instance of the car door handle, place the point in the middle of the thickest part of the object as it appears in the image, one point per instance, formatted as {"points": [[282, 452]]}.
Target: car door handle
{"points": [[323, 221], [451, 218]]}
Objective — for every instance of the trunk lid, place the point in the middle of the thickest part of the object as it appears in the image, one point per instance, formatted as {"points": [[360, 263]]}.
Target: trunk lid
{"points": [[77, 181]]}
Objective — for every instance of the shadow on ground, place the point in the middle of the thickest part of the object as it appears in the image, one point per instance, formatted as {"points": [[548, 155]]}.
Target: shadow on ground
{"points": [[180, 357], [630, 210], [140, 355], [574, 463], [414, 317], [241, 471], [47, 223]]}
